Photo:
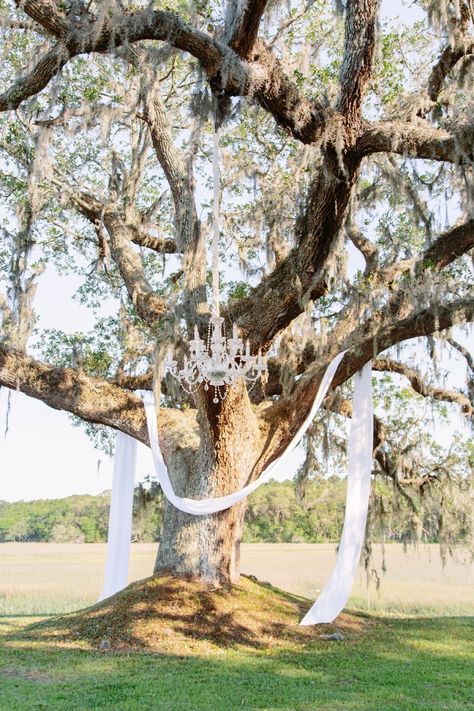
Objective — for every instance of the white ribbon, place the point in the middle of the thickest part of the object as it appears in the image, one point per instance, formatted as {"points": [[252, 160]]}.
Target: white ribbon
{"points": [[120, 520], [335, 594]]}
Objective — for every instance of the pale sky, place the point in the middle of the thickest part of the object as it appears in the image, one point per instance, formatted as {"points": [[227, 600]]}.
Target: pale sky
{"points": [[43, 455]]}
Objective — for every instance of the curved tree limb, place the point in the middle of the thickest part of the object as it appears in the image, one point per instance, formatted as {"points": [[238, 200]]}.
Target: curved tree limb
{"points": [[447, 60], [94, 210], [92, 399], [463, 351], [418, 141], [420, 386], [47, 67], [262, 76], [447, 247], [282, 419]]}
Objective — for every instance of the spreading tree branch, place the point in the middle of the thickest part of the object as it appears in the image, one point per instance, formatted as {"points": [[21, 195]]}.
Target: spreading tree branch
{"points": [[395, 323], [35, 81], [447, 247], [418, 141], [92, 399], [262, 76], [420, 386]]}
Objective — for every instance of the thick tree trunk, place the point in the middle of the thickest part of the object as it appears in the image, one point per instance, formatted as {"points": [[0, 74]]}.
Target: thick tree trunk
{"points": [[207, 547]]}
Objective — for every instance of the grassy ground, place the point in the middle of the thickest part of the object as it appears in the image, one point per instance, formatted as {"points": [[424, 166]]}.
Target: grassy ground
{"points": [[385, 662], [399, 665]]}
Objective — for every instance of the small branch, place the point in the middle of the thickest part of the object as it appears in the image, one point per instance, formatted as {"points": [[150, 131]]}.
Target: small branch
{"points": [[463, 351], [447, 60], [93, 210], [150, 307], [243, 31], [368, 250], [420, 386]]}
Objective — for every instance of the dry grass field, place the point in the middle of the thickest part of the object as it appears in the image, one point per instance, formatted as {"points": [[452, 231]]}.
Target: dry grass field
{"points": [[42, 578]]}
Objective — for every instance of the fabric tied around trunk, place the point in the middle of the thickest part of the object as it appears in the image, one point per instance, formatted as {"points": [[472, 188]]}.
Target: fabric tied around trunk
{"points": [[336, 592]]}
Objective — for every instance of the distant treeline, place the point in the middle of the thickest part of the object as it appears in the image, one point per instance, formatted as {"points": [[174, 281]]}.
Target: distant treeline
{"points": [[275, 513]]}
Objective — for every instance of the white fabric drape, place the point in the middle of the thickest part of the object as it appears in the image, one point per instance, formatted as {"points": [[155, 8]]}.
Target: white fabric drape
{"points": [[219, 503], [120, 520], [337, 590], [335, 593]]}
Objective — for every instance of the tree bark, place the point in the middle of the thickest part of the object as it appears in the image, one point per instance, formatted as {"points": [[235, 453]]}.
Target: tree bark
{"points": [[224, 460]]}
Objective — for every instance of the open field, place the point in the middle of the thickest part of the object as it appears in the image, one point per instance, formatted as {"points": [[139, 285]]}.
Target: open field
{"points": [[424, 661], [43, 578]]}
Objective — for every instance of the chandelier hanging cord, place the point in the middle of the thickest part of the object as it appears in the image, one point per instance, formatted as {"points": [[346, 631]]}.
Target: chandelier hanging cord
{"points": [[218, 361], [216, 175]]}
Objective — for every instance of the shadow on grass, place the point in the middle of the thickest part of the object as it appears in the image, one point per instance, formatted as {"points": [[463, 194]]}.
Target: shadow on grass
{"points": [[402, 664]]}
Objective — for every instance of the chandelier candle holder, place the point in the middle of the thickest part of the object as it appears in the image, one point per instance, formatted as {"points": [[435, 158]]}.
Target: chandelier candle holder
{"points": [[219, 361]]}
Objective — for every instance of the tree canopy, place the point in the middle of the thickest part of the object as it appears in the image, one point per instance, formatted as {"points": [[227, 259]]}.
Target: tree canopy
{"points": [[347, 150]]}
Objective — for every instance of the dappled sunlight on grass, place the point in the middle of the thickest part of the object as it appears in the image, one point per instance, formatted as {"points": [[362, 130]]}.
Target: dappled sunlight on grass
{"points": [[379, 669]]}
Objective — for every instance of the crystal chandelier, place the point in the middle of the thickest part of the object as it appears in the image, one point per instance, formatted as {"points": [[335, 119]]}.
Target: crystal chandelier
{"points": [[218, 361]]}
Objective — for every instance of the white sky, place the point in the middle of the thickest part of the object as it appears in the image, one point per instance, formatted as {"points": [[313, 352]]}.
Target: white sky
{"points": [[43, 455]]}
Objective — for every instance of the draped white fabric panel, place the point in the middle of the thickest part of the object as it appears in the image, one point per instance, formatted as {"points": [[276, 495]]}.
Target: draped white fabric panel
{"points": [[337, 590], [219, 503], [120, 521], [335, 593]]}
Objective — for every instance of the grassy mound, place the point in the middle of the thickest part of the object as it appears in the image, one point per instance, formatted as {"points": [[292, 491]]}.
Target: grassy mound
{"points": [[166, 614]]}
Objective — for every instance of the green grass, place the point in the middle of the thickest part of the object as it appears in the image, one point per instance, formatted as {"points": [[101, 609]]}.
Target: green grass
{"points": [[396, 664], [418, 655]]}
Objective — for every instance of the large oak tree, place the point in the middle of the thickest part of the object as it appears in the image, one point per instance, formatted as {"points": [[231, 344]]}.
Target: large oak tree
{"points": [[340, 135]]}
